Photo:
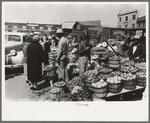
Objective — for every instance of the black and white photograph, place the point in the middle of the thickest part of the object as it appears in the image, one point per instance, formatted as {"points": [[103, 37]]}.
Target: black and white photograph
{"points": [[80, 55]]}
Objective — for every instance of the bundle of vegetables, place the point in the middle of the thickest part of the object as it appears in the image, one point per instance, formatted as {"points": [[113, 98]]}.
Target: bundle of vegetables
{"points": [[74, 82], [115, 73], [79, 94]]}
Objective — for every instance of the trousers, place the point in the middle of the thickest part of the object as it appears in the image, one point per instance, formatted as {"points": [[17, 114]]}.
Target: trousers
{"points": [[83, 64]]}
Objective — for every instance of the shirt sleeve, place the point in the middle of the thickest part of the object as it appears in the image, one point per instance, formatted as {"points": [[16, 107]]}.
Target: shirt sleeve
{"points": [[60, 49]]}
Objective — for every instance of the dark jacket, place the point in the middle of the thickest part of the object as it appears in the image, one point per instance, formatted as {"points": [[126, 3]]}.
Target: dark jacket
{"points": [[140, 52], [83, 51], [35, 57], [46, 50]]}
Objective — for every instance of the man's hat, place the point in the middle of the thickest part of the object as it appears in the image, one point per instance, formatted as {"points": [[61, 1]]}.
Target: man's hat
{"points": [[136, 37], [36, 38]]}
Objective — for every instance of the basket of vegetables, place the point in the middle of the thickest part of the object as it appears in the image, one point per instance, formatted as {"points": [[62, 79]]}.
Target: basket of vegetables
{"points": [[100, 89], [114, 84], [54, 93], [59, 85], [129, 81]]}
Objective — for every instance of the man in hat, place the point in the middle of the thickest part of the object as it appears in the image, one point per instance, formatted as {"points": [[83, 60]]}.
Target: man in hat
{"points": [[137, 51], [35, 57], [62, 56]]}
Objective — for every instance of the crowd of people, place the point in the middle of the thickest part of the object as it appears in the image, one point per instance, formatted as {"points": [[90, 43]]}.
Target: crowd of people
{"points": [[36, 49]]}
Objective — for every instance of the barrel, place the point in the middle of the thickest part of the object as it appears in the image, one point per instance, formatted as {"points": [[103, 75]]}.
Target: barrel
{"points": [[100, 92], [96, 99], [141, 82], [115, 87], [114, 63], [129, 84]]}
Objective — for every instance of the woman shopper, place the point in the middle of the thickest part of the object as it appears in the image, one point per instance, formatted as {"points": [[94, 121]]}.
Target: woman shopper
{"points": [[35, 57]]}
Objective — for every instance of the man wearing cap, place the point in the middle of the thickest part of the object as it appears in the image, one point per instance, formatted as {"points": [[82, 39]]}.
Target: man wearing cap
{"points": [[137, 50], [35, 57], [62, 56]]}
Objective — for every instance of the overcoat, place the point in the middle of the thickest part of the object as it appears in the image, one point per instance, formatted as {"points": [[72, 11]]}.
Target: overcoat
{"points": [[35, 57]]}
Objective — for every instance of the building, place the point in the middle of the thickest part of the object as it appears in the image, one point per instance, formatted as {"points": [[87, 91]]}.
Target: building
{"points": [[28, 27], [128, 19], [141, 22]]}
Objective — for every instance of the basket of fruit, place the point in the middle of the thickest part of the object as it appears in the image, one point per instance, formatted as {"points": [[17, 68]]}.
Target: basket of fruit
{"points": [[99, 87], [59, 85], [128, 69], [115, 84], [141, 79], [54, 93], [104, 76], [129, 81], [100, 95]]}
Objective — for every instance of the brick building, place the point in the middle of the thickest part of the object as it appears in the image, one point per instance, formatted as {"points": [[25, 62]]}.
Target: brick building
{"points": [[28, 27]]}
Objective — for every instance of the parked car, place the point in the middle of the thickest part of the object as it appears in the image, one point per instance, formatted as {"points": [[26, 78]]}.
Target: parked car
{"points": [[13, 52]]}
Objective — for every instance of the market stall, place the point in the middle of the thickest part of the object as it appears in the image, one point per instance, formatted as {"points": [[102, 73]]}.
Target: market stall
{"points": [[109, 75]]}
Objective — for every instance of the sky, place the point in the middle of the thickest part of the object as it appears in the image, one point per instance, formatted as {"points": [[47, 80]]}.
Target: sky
{"points": [[59, 12]]}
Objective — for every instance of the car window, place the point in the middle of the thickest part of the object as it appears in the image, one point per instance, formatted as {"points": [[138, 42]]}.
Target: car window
{"points": [[15, 38]]}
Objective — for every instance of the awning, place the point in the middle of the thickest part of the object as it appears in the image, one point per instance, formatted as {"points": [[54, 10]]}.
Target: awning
{"points": [[68, 25]]}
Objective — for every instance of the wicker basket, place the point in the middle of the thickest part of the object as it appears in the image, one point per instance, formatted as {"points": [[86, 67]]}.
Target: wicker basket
{"points": [[54, 95], [100, 95], [129, 82], [130, 87], [114, 61], [115, 88], [99, 90], [114, 65]]}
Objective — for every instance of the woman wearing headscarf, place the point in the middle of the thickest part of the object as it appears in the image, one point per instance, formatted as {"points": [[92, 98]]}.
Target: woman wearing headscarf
{"points": [[35, 57]]}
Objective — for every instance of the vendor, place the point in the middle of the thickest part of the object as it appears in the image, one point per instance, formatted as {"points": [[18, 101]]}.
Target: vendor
{"points": [[62, 56], [137, 51], [84, 56]]}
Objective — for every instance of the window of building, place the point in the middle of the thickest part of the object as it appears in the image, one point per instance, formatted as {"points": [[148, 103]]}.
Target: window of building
{"points": [[6, 27], [141, 25], [119, 26], [33, 27], [14, 27], [144, 24], [120, 19], [133, 25], [126, 18], [126, 26], [41, 27], [24, 27], [133, 17]]}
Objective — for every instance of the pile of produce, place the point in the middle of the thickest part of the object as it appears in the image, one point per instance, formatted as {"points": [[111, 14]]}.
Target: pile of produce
{"points": [[115, 73], [59, 84], [98, 50], [74, 82], [99, 84], [114, 58], [103, 76], [129, 69], [114, 80], [128, 76], [92, 79], [105, 70], [94, 72]]}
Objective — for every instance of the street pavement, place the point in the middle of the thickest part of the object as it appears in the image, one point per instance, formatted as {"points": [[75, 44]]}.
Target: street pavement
{"points": [[16, 89]]}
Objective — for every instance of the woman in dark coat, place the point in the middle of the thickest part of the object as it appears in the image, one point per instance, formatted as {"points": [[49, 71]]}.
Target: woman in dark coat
{"points": [[35, 57]]}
